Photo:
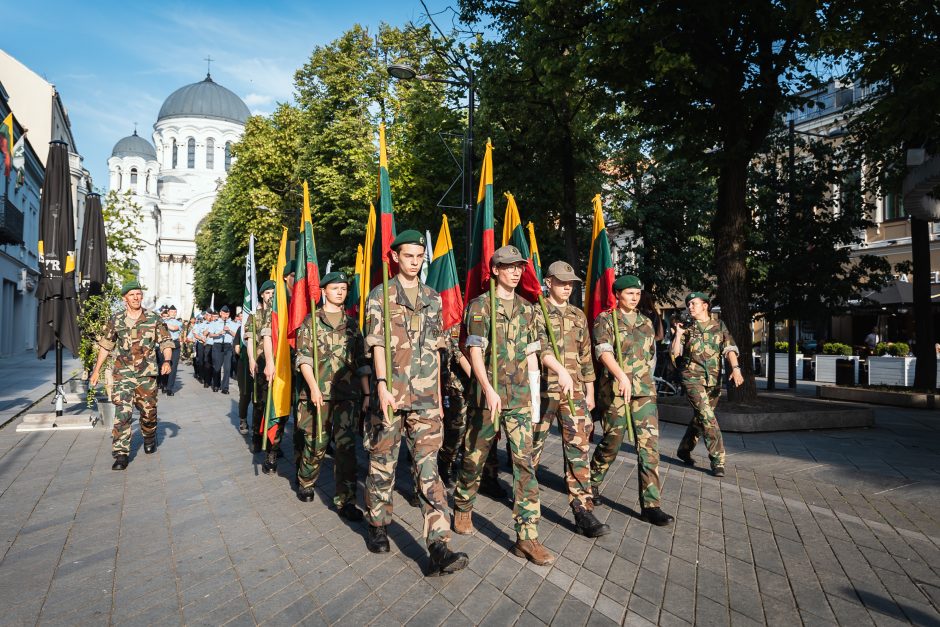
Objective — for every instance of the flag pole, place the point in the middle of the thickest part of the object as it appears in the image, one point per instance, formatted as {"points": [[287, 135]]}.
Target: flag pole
{"points": [[387, 328], [631, 437], [493, 346], [554, 343], [314, 340]]}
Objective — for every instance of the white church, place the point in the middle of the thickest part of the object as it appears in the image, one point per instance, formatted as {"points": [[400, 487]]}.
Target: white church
{"points": [[175, 180]]}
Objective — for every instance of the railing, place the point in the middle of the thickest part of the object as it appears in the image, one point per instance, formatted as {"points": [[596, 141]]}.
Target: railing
{"points": [[11, 223]]}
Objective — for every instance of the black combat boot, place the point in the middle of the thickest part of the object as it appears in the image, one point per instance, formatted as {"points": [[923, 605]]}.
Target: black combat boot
{"points": [[150, 445], [306, 494], [377, 542], [243, 427], [350, 512], [444, 561], [718, 471], [446, 474], [655, 516], [120, 462], [685, 456], [270, 462], [596, 496], [588, 525], [490, 486]]}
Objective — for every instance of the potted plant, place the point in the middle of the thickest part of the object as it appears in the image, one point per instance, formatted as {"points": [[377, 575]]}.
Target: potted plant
{"points": [[891, 365], [826, 363], [781, 363]]}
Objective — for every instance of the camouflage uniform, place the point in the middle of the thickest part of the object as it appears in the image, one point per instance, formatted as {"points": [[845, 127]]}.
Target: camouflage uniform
{"points": [[637, 346], [703, 347], [414, 382], [342, 362], [570, 327], [264, 330], [134, 345], [454, 385], [517, 336]]}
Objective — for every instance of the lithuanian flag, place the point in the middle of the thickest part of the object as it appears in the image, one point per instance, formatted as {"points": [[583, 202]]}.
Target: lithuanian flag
{"points": [[306, 291], [385, 225], [279, 390], [6, 144], [599, 291], [366, 284], [534, 249], [442, 276], [482, 245], [530, 288], [355, 288]]}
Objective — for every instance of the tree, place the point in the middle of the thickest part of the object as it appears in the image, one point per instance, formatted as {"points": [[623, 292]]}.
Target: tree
{"points": [[710, 81]]}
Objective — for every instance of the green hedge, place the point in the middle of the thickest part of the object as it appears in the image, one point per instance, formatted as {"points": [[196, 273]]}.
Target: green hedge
{"points": [[894, 349], [781, 347], [836, 348]]}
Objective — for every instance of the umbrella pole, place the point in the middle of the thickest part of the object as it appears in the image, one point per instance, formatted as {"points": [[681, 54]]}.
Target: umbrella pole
{"points": [[59, 399]]}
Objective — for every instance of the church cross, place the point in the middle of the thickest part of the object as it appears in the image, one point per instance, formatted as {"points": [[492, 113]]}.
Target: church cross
{"points": [[178, 228], [208, 61]]}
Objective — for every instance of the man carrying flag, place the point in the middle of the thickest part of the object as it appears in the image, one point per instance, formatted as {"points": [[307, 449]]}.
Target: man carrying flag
{"points": [[253, 326], [277, 367], [409, 398]]}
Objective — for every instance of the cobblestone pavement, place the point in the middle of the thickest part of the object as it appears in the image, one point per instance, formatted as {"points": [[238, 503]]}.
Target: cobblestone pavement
{"points": [[813, 527]]}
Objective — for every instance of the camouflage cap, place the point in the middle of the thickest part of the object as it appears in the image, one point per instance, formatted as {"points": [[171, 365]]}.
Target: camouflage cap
{"points": [[289, 269], [562, 271], [700, 295], [267, 285], [408, 237], [507, 255], [128, 286], [334, 277], [627, 281]]}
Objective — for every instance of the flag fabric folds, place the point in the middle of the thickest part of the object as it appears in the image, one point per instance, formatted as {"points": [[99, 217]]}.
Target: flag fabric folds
{"points": [[250, 299], [365, 284], [428, 256], [599, 289], [442, 277], [530, 287], [385, 223], [6, 144], [306, 288], [353, 296], [534, 249], [482, 244], [280, 389]]}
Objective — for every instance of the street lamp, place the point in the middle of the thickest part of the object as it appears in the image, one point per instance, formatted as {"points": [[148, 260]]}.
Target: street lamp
{"points": [[405, 72]]}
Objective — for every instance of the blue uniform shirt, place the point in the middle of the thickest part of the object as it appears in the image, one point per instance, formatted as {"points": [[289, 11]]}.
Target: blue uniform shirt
{"points": [[213, 327], [174, 326], [229, 325]]}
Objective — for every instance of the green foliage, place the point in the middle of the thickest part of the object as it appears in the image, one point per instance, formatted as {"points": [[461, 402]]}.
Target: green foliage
{"points": [[893, 349], [781, 347], [837, 348]]}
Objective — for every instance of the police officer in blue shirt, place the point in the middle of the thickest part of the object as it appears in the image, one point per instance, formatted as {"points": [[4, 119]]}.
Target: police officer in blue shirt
{"points": [[222, 331], [208, 337], [175, 326]]}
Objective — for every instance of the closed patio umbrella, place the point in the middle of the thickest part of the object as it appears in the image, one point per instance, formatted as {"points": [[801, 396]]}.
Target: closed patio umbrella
{"points": [[93, 253]]}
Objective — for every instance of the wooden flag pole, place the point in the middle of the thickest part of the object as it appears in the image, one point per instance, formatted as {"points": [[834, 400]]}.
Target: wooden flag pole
{"points": [[631, 437]]}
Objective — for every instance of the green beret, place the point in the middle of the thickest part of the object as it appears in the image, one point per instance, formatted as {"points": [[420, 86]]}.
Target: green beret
{"points": [[627, 281], [267, 285], [334, 277], [701, 295], [408, 237], [133, 284], [289, 269]]}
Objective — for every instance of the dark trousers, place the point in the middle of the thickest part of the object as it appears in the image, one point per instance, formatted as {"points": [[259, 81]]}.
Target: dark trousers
{"points": [[170, 379], [221, 365], [197, 359], [206, 369]]}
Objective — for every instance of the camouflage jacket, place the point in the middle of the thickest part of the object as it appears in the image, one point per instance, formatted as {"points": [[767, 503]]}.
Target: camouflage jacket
{"points": [[134, 343], [416, 338], [637, 347], [569, 324], [340, 353], [703, 346], [454, 380], [517, 336]]}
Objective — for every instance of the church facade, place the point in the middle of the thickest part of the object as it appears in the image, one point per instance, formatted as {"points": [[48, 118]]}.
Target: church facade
{"points": [[175, 180]]}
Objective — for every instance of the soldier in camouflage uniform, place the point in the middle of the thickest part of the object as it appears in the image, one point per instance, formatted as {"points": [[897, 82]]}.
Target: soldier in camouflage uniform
{"points": [[510, 405], [570, 376], [337, 395], [456, 377], [703, 345], [409, 400], [628, 393], [254, 341], [134, 336]]}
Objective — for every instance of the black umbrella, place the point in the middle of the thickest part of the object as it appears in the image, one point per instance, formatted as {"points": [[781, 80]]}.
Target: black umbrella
{"points": [[93, 253], [58, 311]]}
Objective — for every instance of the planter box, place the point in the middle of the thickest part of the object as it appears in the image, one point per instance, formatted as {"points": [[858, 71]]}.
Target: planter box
{"points": [[105, 414], [826, 367], [879, 397], [781, 371], [891, 371], [818, 415]]}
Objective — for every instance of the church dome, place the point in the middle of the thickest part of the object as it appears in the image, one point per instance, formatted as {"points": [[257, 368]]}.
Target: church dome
{"points": [[134, 146], [205, 99]]}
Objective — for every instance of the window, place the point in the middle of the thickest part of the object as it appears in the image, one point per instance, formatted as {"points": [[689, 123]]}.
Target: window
{"points": [[120, 180], [894, 207], [174, 157], [191, 153], [210, 154], [133, 176], [850, 191], [228, 156], [147, 183]]}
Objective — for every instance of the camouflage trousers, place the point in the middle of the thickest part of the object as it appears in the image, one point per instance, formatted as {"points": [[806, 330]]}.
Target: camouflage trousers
{"points": [[130, 392], [645, 418], [339, 420], [576, 445], [455, 428], [481, 433], [703, 400], [424, 433]]}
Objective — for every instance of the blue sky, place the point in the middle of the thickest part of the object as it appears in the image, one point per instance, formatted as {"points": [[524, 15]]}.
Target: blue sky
{"points": [[114, 63]]}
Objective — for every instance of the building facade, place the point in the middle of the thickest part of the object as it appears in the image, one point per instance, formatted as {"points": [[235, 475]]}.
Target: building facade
{"points": [[175, 181]]}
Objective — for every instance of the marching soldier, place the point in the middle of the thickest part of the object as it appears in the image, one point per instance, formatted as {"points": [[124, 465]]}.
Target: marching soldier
{"points": [[628, 394], [570, 377], [175, 326], [517, 348], [337, 395], [257, 326], [208, 341], [703, 345], [409, 400], [455, 371], [134, 336], [223, 333]]}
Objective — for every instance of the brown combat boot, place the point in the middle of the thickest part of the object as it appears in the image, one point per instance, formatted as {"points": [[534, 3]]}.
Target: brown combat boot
{"points": [[463, 523], [533, 551]]}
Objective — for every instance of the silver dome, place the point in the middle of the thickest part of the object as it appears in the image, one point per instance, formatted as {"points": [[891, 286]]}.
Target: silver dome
{"points": [[134, 146], [205, 99]]}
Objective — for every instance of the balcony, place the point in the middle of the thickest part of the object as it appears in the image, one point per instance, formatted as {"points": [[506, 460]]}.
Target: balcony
{"points": [[11, 223]]}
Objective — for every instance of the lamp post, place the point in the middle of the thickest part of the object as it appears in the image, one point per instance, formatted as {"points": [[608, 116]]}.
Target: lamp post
{"points": [[405, 72]]}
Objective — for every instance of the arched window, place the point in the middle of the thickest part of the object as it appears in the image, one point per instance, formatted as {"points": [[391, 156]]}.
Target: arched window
{"points": [[147, 183], [175, 155], [191, 153], [210, 154], [120, 179], [133, 176], [228, 156]]}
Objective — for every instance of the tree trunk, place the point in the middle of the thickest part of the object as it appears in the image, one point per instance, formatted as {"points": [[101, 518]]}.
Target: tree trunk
{"points": [[925, 371], [729, 229]]}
